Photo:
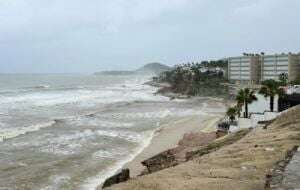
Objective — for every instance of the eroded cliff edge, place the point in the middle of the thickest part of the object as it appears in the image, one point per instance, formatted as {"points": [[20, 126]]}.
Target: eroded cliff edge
{"points": [[241, 165]]}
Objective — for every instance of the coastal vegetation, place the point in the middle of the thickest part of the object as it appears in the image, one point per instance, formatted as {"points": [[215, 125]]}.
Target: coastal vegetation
{"points": [[271, 88], [197, 79], [245, 97], [231, 113]]}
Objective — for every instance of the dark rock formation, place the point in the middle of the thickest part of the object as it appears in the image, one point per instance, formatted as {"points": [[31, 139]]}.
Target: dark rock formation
{"points": [[161, 161], [177, 155], [123, 176]]}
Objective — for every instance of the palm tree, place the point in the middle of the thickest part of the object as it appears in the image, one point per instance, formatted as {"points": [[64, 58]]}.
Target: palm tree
{"points": [[239, 108], [231, 113], [245, 97], [270, 88], [283, 78]]}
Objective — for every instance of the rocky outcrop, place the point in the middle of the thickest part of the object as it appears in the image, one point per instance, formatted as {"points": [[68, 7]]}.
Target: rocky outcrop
{"points": [[175, 156], [123, 176], [163, 160]]}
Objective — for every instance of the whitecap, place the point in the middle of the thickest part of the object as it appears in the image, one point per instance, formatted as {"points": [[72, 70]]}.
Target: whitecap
{"points": [[129, 136], [81, 121], [9, 133]]}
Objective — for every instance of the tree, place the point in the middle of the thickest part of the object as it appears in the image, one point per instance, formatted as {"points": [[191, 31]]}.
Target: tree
{"points": [[270, 88], [239, 108], [283, 78], [231, 113], [245, 97]]}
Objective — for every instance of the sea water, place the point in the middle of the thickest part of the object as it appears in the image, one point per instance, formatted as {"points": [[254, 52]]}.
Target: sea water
{"points": [[73, 131]]}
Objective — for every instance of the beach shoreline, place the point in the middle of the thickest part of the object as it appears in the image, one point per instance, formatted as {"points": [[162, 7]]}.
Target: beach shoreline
{"points": [[169, 134], [249, 159]]}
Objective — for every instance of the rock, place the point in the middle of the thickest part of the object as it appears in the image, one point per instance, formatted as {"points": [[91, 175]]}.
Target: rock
{"points": [[123, 176], [161, 161]]}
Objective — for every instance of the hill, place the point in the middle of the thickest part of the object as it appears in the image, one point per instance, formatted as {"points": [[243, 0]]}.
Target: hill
{"points": [[155, 68], [151, 68], [115, 73]]}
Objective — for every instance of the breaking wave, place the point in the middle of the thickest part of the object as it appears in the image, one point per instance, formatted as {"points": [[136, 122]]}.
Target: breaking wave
{"points": [[9, 133]]}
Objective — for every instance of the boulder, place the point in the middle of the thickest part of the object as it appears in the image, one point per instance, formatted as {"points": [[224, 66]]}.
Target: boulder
{"points": [[123, 176], [161, 161]]}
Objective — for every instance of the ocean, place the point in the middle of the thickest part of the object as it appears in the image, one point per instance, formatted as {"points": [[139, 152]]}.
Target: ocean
{"points": [[72, 131]]}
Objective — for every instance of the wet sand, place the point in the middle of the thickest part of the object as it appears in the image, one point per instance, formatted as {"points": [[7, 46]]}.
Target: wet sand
{"points": [[168, 137]]}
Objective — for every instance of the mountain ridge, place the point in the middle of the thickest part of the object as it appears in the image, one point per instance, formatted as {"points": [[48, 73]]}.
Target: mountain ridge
{"points": [[150, 68]]}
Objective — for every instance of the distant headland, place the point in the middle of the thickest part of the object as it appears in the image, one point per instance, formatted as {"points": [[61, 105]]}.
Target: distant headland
{"points": [[150, 68]]}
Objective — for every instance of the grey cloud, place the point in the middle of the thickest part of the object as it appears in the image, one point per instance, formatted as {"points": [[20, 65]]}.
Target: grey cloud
{"points": [[84, 36]]}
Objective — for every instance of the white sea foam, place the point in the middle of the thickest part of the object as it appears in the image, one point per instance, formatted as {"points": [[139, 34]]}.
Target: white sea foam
{"points": [[159, 114], [8, 133], [81, 96], [97, 122], [112, 153], [57, 181], [104, 154], [129, 136], [40, 87], [93, 182], [72, 143]]}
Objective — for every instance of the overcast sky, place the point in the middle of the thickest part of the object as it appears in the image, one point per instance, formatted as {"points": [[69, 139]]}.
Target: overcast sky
{"points": [[67, 36]]}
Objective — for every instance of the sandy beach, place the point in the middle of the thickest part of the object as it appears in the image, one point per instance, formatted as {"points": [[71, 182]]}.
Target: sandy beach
{"points": [[254, 159], [168, 137]]}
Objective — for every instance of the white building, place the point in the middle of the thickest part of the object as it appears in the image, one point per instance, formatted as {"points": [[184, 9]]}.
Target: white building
{"points": [[254, 68], [274, 65], [244, 69]]}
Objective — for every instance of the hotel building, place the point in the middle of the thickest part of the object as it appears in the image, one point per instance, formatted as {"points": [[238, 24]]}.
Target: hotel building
{"points": [[244, 69], [252, 69], [274, 65]]}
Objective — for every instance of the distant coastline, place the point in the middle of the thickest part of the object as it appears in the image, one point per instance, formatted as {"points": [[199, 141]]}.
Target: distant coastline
{"points": [[150, 68], [115, 73]]}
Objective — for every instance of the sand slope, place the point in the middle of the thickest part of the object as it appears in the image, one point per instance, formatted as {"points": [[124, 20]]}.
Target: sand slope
{"points": [[242, 165], [169, 136]]}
